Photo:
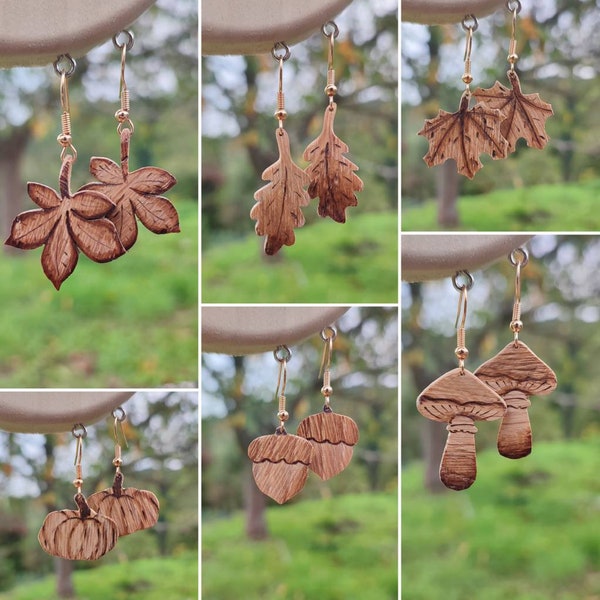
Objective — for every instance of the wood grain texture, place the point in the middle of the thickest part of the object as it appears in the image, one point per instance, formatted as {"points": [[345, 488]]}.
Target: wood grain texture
{"points": [[131, 509], [280, 464], [332, 437], [277, 211], [524, 114], [332, 175], [464, 135], [134, 194], [514, 435], [458, 468], [78, 534]]}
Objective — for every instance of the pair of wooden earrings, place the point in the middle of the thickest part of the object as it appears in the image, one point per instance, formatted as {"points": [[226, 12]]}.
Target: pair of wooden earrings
{"points": [[324, 441], [330, 175], [100, 218], [493, 126], [93, 530], [499, 389]]}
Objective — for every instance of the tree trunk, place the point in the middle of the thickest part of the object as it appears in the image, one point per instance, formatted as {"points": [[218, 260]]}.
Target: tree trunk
{"points": [[256, 525], [64, 578], [447, 194]]}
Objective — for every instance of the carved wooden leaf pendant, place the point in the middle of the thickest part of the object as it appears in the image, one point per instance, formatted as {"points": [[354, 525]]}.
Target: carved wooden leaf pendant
{"points": [[332, 176], [64, 223], [524, 114], [277, 209], [332, 437], [131, 509], [78, 534], [135, 193], [280, 464], [464, 135], [516, 373]]}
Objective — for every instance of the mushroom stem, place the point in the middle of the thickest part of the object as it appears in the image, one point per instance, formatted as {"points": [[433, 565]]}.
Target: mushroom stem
{"points": [[514, 435], [458, 468]]}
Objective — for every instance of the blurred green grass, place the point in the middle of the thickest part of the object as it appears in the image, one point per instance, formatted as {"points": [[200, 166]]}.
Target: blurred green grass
{"points": [[128, 323], [352, 263], [525, 530], [333, 549]]}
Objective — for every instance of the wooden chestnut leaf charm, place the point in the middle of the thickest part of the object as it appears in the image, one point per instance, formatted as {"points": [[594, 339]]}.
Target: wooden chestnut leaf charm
{"points": [[280, 464], [459, 398], [80, 534], [131, 509], [516, 373], [332, 437]]}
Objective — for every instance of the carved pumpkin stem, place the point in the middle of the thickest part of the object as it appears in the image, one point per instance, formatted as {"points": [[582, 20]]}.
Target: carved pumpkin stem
{"points": [[458, 468], [84, 509], [117, 486]]}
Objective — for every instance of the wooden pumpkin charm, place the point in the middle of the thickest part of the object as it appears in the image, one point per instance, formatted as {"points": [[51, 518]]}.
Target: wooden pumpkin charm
{"points": [[81, 534]]}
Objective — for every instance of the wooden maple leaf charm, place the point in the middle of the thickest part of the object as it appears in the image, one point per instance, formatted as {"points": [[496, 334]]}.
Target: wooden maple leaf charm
{"points": [[524, 114], [464, 135], [63, 223], [277, 209], [332, 177], [135, 193]]}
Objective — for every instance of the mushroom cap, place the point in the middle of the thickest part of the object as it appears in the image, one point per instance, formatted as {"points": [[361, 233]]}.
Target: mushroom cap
{"points": [[459, 392], [516, 367]]}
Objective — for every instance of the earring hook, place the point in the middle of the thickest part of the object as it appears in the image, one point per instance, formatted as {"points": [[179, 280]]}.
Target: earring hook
{"points": [[518, 258], [461, 350], [470, 25], [79, 433]]}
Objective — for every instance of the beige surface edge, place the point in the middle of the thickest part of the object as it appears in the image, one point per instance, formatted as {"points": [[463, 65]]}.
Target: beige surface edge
{"points": [[435, 12]]}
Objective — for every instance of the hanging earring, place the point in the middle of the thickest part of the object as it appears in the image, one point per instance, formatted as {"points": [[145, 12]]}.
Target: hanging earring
{"points": [[278, 204], [332, 436], [332, 176], [459, 398], [524, 114], [134, 193], [131, 509], [80, 534], [516, 373], [280, 461], [469, 132], [66, 222]]}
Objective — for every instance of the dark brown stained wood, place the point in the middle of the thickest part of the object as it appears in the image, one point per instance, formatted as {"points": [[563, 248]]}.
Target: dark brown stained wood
{"points": [[516, 373], [131, 509], [280, 464], [464, 135], [134, 194], [78, 534], [332, 176], [277, 211], [332, 437], [458, 467]]}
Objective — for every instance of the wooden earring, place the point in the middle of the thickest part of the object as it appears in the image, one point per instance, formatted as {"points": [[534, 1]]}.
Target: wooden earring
{"points": [[131, 509], [516, 373], [332, 436], [280, 460], [82, 534], [459, 399]]}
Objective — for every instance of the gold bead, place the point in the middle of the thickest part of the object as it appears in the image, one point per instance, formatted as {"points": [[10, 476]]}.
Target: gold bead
{"points": [[280, 114], [467, 78], [121, 115], [461, 352], [516, 326], [331, 89], [64, 139], [117, 462], [283, 415], [77, 482], [326, 390], [513, 58]]}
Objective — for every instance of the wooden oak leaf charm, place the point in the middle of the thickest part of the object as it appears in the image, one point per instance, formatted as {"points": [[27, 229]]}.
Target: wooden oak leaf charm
{"points": [[280, 464], [459, 398], [516, 373], [332, 437], [332, 177], [80, 534], [277, 209], [464, 135], [131, 509], [135, 193], [64, 223], [524, 114]]}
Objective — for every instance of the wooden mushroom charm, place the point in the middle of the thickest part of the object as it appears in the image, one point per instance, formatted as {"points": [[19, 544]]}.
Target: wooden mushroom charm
{"points": [[516, 373], [459, 398]]}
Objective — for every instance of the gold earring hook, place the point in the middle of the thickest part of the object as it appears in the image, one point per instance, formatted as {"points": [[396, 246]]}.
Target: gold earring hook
{"points": [[518, 258], [64, 66], [461, 350], [280, 113], [79, 433], [514, 6], [282, 355], [328, 334], [122, 115], [470, 25], [330, 30]]}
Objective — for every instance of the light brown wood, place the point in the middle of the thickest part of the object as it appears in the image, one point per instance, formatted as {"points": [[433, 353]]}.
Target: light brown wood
{"points": [[332, 176], [63, 224], [78, 534], [278, 204], [131, 509], [332, 437], [459, 398], [464, 135], [280, 464], [134, 194], [516, 373], [524, 114]]}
